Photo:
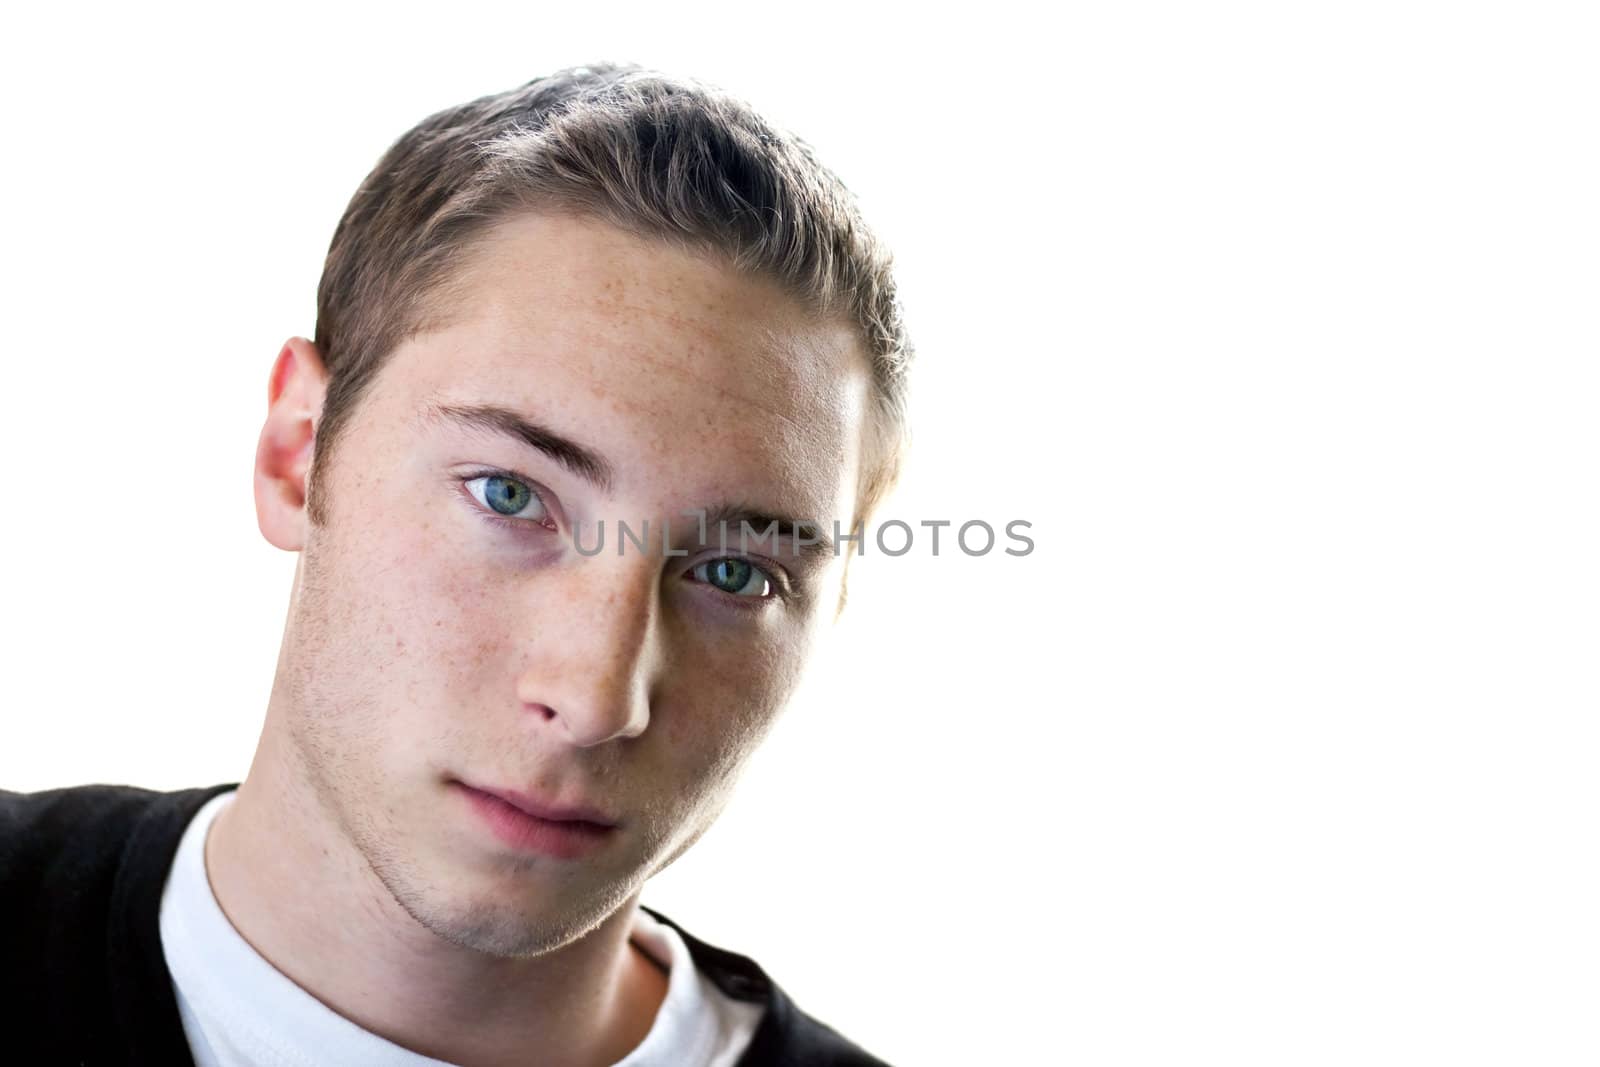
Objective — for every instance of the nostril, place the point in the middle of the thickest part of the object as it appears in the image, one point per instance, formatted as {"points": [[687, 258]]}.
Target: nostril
{"points": [[544, 710]]}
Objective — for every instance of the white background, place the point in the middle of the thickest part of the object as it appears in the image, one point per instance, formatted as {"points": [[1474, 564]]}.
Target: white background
{"points": [[1277, 321]]}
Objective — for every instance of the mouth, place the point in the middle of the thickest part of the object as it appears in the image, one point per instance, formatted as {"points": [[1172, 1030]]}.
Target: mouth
{"points": [[530, 824]]}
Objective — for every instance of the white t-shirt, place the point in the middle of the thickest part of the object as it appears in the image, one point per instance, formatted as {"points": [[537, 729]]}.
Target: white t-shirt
{"points": [[240, 1011]]}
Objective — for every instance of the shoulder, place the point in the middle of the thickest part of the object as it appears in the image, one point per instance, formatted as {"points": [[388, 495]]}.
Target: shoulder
{"points": [[81, 874], [83, 830], [63, 850], [71, 840], [24, 816], [65, 833], [787, 1035]]}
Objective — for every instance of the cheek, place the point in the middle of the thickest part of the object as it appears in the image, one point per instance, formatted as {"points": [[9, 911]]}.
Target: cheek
{"points": [[724, 695], [719, 700], [402, 618], [451, 616]]}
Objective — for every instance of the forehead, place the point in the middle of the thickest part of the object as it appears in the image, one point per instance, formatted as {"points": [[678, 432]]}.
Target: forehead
{"points": [[640, 348]]}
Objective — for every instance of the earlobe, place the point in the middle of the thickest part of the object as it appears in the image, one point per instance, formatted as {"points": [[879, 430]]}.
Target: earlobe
{"points": [[295, 391]]}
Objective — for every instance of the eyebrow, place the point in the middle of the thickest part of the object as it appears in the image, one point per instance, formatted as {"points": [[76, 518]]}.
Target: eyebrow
{"points": [[595, 468], [822, 545], [579, 459]]}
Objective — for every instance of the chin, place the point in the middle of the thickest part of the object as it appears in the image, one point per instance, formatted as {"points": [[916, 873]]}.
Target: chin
{"points": [[500, 932], [516, 918]]}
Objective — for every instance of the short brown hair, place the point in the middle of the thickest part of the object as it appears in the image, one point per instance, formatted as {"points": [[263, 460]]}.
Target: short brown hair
{"points": [[660, 157]]}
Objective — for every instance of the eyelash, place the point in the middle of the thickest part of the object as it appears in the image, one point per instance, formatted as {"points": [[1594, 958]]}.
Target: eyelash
{"points": [[782, 591], [518, 525]]}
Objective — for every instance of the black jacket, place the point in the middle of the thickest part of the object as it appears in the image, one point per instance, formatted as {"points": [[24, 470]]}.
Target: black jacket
{"points": [[82, 977]]}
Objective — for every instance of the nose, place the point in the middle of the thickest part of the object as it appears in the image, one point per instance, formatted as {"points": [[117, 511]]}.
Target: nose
{"points": [[594, 650]]}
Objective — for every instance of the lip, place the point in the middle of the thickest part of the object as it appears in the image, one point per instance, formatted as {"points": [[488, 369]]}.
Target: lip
{"points": [[519, 820]]}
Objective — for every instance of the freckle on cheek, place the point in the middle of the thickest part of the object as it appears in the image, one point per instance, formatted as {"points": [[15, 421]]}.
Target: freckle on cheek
{"points": [[673, 728]]}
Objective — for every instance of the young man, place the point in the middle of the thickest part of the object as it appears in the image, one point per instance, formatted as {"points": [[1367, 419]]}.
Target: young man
{"points": [[606, 299]]}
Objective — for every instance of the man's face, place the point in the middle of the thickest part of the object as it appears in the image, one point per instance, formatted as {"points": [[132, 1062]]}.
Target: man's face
{"points": [[446, 634]]}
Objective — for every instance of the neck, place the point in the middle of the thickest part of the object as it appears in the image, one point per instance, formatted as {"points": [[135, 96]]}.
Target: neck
{"points": [[304, 897]]}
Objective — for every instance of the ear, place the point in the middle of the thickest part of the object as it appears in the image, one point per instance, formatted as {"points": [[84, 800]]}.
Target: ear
{"points": [[844, 586], [295, 391]]}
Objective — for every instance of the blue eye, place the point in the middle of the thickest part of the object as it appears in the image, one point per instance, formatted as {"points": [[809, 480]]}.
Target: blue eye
{"points": [[739, 577], [508, 497]]}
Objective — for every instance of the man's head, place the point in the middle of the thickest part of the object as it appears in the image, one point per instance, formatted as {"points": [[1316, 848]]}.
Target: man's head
{"points": [[664, 159], [602, 298]]}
